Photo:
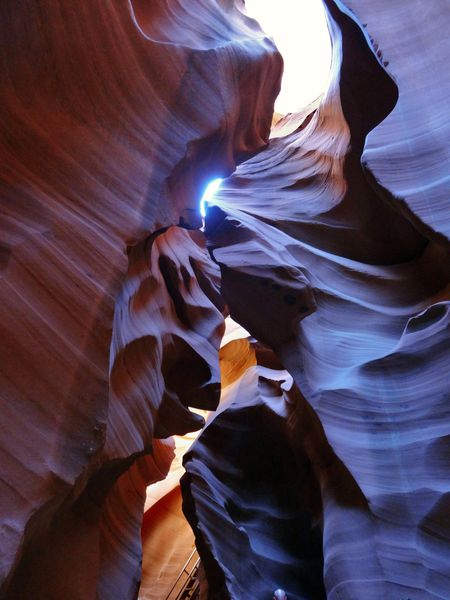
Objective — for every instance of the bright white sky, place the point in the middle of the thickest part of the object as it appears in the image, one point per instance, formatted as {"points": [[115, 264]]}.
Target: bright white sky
{"points": [[300, 32]]}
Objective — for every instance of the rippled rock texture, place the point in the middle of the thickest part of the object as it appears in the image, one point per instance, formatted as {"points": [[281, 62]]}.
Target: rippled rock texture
{"points": [[255, 513], [332, 242], [360, 316], [108, 134]]}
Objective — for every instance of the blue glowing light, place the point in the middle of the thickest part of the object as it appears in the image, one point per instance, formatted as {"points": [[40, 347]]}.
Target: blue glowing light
{"points": [[209, 192]]}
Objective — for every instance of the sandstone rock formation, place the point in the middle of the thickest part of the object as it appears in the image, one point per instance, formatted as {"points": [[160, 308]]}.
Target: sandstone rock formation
{"points": [[109, 133], [255, 513], [332, 242], [370, 356]]}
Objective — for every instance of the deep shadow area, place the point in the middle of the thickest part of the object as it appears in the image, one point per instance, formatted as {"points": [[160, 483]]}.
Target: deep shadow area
{"points": [[256, 502]]}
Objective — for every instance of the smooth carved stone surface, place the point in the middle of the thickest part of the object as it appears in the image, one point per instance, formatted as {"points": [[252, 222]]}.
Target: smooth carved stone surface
{"points": [[115, 116], [121, 521], [408, 152], [253, 510], [166, 336], [372, 356], [258, 288], [168, 314], [113, 119], [164, 359], [276, 482], [89, 546]]}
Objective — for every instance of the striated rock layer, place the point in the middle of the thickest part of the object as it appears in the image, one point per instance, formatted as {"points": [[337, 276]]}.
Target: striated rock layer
{"points": [[333, 252], [359, 317], [252, 510], [113, 118]]}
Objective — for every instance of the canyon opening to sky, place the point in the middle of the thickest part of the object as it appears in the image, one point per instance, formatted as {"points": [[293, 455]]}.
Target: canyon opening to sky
{"points": [[271, 389], [299, 29]]}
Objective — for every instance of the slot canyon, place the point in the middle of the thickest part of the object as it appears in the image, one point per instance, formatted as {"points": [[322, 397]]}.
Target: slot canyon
{"points": [[248, 399]]}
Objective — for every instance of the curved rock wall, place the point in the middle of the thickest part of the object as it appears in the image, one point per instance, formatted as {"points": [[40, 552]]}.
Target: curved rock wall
{"points": [[332, 249], [369, 348], [109, 132], [251, 500], [408, 152]]}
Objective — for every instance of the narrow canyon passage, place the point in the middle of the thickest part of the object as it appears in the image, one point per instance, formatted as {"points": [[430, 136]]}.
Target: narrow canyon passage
{"points": [[283, 349]]}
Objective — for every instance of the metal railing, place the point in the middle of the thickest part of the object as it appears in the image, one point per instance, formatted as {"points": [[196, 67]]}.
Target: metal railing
{"points": [[186, 586]]}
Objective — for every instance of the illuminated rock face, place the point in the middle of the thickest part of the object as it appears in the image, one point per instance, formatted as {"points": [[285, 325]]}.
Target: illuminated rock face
{"points": [[115, 117], [108, 135], [365, 333], [255, 513]]}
